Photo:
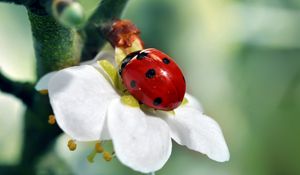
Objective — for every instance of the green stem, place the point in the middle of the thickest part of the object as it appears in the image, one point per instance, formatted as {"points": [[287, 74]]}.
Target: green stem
{"points": [[105, 14], [21, 90], [56, 47]]}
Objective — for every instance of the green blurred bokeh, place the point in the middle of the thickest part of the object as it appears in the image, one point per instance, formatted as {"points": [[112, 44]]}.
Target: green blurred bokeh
{"points": [[241, 60]]}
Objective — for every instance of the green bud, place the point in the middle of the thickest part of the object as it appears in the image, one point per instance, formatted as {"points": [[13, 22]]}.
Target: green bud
{"points": [[69, 14]]}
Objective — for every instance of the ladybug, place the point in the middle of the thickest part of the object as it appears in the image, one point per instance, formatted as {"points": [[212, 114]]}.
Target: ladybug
{"points": [[153, 78]]}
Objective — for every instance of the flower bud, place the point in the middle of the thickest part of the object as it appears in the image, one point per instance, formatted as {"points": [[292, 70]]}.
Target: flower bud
{"points": [[69, 13]]}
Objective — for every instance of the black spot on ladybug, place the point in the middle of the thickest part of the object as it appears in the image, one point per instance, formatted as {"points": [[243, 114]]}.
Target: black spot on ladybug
{"points": [[126, 60], [157, 101], [183, 79], [61, 6], [141, 55], [150, 73], [133, 84], [166, 61]]}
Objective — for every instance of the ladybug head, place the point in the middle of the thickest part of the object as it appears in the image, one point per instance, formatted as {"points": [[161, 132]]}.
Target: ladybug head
{"points": [[127, 59]]}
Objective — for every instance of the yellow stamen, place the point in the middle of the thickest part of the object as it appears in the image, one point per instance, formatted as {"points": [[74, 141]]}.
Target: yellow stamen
{"points": [[72, 145], [107, 156], [130, 101], [110, 70], [51, 119], [99, 148], [43, 92], [112, 74], [91, 156]]}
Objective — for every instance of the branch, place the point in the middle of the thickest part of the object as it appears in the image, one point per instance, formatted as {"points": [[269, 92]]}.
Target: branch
{"points": [[105, 14], [23, 91], [9, 169], [68, 13], [19, 2], [56, 47]]}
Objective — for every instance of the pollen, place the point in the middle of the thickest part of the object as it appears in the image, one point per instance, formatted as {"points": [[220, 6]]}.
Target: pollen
{"points": [[72, 145], [107, 156], [99, 148], [43, 92], [51, 119]]}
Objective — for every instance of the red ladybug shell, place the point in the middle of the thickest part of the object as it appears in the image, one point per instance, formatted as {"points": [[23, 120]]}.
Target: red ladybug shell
{"points": [[154, 79]]}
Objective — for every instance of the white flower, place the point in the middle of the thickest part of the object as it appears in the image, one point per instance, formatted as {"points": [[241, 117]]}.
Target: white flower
{"points": [[88, 108]]}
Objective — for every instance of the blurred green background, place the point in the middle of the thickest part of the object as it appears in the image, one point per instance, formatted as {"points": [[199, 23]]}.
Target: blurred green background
{"points": [[241, 59]]}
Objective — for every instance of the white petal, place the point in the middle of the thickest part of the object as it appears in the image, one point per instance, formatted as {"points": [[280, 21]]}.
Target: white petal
{"points": [[104, 54], [141, 142], [193, 102], [79, 97], [42, 84], [198, 132]]}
